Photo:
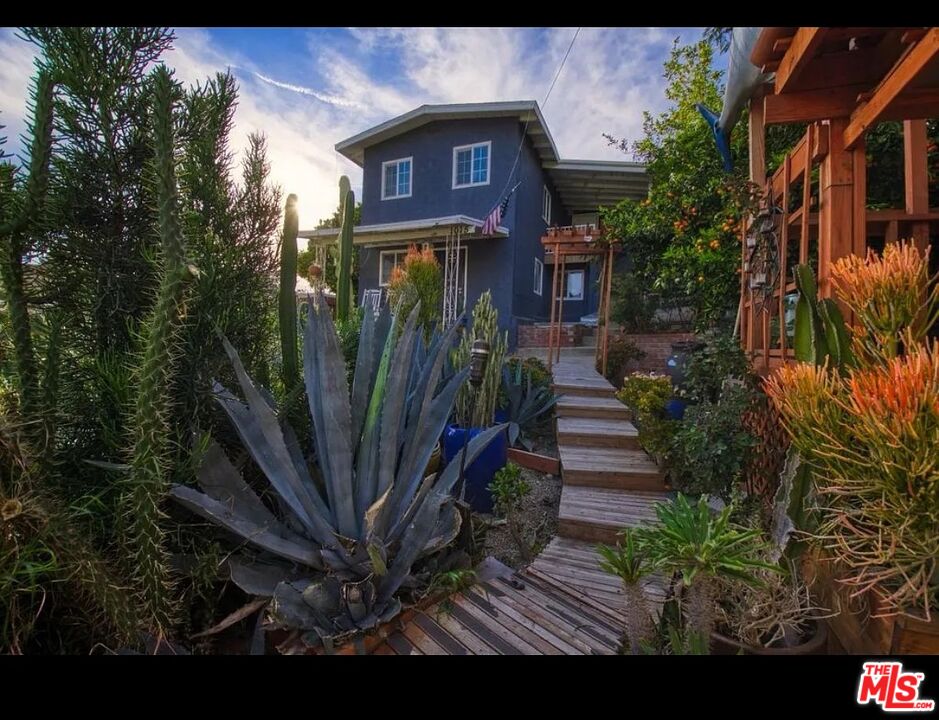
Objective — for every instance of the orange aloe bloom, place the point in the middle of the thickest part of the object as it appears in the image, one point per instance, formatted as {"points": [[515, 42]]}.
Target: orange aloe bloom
{"points": [[888, 292], [900, 390], [801, 391]]}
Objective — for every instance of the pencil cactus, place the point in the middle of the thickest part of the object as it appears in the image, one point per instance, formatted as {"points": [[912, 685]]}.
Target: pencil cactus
{"points": [[344, 279], [344, 546], [147, 485], [287, 299]]}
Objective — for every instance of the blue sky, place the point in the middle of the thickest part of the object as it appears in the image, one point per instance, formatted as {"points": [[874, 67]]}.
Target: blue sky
{"points": [[308, 88]]}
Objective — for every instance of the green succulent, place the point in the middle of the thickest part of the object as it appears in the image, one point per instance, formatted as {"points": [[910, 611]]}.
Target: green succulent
{"points": [[525, 402], [347, 536]]}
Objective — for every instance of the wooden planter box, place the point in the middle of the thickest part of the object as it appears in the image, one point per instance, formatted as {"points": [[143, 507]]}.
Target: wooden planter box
{"points": [[855, 629]]}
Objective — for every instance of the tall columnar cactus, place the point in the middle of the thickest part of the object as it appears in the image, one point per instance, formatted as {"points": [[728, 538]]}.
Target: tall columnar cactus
{"points": [[143, 536], [485, 327], [344, 280], [17, 214], [287, 300]]}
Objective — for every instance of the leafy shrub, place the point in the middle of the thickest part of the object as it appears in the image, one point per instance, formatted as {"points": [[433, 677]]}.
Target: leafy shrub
{"points": [[418, 279], [540, 376], [509, 488], [631, 305], [710, 447], [619, 352], [719, 357], [645, 394]]}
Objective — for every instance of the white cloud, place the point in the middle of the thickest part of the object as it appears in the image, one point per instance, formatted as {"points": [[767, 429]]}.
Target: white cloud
{"points": [[611, 76]]}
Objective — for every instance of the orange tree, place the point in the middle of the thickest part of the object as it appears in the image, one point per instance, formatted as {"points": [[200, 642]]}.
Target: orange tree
{"points": [[683, 240]]}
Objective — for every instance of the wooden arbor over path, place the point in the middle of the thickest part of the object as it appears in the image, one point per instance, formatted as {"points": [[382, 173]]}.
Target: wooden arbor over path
{"points": [[580, 242], [841, 81]]}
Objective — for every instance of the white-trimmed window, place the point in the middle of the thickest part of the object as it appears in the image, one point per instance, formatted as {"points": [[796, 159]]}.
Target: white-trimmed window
{"points": [[539, 276], [471, 164], [396, 178], [574, 285], [546, 205], [388, 260]]}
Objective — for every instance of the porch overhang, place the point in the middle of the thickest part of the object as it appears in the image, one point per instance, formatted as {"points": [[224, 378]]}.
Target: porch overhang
{"points": [[408, 231], [586, 185]]}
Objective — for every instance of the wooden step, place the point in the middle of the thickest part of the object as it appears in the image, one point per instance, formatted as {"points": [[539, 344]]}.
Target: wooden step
{"points": [[577, 564], [597, 432], [616, 468], [582, 390], [598, 514], [585, 406]]}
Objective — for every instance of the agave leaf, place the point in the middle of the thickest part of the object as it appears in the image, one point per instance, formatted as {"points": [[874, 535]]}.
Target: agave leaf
{"points": [[261, 434], [275, 539], [804, 338], [446, 530], [393, 403], [328, 396], [366, 469], [423, 441], [288, 608], [259, 578], [222, 482], [365, 362], [413, 542], [421, 418], [378, 561], [232, 618], [371, 515], [303, 471], [514, 431], [836, 333]]}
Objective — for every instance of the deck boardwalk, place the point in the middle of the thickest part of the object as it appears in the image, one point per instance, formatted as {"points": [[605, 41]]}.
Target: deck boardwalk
{"points": [[563, 603]]}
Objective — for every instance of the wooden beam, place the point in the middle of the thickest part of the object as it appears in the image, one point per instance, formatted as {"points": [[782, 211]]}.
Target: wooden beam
{"points": [[781, 45], [916, 177], [811, 105], [859, 201], [903, 73], [912, 36], [757, 140], [805, 44]]}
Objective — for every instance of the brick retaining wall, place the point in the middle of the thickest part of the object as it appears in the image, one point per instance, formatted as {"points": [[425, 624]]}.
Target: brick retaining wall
{"points": [[536, 335], [656, 346]]}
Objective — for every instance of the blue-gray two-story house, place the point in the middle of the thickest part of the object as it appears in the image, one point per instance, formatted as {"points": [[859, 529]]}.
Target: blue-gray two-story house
{"points": [[434, 174]]}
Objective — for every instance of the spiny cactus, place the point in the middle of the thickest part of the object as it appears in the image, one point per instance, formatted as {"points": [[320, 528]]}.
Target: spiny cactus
{"points": [[344, 280], [485, 327], [16, 215], [287, 299], [143, 535]]}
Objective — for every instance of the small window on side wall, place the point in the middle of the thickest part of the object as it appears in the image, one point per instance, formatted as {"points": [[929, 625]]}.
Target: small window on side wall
{"points": [[396, 179], [539, 276], [546, 205]]}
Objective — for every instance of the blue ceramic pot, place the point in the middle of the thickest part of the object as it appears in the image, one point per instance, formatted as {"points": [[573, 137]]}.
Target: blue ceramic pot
{"points": [[675, 408], [480, 472]]}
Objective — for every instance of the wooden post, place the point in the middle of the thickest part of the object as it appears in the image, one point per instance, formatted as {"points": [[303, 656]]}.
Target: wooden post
{"points": [[554, 286], [804, 227], [756, 137], [597, 351], [836, 210], [916, 178], [606, 306], [784, 246], [561, 303]]}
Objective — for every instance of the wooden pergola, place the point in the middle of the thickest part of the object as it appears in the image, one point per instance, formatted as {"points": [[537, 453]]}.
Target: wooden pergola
{"points": [[582, 242], [841, 81]]}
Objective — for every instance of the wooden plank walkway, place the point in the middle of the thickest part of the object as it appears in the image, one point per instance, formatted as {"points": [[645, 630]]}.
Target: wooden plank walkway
{"points": [[563, 603]]}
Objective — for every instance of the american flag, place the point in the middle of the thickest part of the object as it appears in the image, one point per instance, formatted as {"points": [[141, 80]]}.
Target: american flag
{"points": [[492, 222]]}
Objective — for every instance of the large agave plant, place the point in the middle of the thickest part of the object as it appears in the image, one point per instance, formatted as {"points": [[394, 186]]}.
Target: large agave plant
{"points": [[345, 538], [526, 402]]}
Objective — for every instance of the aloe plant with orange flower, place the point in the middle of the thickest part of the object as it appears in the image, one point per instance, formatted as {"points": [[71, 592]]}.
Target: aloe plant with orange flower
{"points": [[871, 432]]}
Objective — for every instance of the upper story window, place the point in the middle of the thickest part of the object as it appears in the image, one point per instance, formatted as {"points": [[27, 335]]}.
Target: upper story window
{"points": [[471, 165], [539, 276], [546, 205], [396, 179]]}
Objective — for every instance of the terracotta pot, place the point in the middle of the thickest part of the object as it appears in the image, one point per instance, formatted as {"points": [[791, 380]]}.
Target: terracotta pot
{"points": [[814, 645]]}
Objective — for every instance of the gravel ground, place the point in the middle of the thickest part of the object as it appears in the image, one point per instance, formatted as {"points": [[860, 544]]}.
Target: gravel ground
{"points": [[539, 520]]}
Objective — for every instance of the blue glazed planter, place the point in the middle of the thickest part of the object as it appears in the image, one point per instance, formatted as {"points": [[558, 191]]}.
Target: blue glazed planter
{"points": [[675, 408], [480, 472]]}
